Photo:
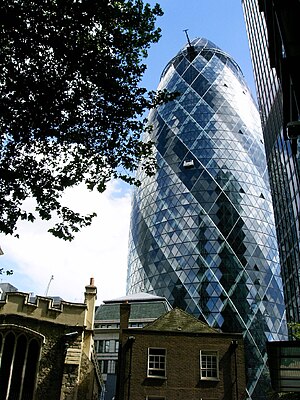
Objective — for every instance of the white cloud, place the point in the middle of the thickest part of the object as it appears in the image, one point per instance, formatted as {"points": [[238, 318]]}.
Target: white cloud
{"points": [[99, 251]]}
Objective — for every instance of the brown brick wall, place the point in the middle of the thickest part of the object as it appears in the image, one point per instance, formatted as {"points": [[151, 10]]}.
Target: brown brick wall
{"points": [[183, 367]]}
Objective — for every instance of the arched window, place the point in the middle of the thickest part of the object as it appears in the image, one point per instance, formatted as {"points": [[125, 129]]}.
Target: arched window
{"points": [[19, 357]]}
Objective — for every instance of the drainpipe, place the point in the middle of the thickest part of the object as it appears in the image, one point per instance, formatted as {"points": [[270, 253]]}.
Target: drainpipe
{"points": [[234, 344], [129, 344]]}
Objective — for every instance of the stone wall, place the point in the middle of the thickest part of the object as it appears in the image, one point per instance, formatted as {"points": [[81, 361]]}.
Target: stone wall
{"points": [[65, 369], [53, 349]]}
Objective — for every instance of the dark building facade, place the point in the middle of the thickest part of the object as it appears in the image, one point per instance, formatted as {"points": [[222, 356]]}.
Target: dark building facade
{"points": [[273, 32], [202, 229], [284, 362], [179, 357]]}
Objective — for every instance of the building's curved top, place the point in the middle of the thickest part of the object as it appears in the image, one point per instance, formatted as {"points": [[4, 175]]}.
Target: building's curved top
{"points": [[136, 297], [207, 50]]}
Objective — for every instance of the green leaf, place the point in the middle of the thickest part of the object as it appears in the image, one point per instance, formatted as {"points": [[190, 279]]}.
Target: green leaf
{"points": [[72, 104]]}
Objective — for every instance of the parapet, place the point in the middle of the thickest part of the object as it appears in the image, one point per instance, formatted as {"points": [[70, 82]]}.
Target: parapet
{"points": [[43, 308]]}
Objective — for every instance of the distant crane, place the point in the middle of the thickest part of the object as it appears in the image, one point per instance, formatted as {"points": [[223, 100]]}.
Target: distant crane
{"points": [[47, 290]]}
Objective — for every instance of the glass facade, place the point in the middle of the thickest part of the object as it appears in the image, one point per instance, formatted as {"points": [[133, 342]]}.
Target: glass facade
{"points": [[283, 165], [202, 230]]}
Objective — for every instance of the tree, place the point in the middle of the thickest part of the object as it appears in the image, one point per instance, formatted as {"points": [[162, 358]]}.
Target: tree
{"points": [[295, 329], [71, 102], [6, 271]]}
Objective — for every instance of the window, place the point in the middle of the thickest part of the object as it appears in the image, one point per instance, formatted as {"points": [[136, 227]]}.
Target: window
{"points": [[104, 366], [19, 357], [108, 366], [156, 362], [103, 346], [107, 346], [188, 163], [209, 365], [112, 366], [96, 345]]}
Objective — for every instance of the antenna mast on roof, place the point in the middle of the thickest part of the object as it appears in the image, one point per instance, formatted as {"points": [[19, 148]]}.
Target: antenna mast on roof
{"points": [[191, 49], [47, 290], [187, 36]]}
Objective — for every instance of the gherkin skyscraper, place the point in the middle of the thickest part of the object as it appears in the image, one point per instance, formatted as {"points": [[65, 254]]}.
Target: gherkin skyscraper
{"points": [[202, 230]]}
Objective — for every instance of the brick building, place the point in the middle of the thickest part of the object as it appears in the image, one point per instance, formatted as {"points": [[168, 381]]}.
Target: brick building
{"points": [[178, 357], [46, 349]]}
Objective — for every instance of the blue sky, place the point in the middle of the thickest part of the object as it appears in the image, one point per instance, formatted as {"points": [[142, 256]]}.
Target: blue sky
{"points": [[220, 21], [101, 250]]}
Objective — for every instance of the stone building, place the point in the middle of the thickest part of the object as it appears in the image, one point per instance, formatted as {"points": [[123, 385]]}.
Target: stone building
{"points": [[46, 350], [179, 357]]}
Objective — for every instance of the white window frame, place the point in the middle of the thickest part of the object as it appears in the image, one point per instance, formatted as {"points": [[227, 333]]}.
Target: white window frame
{"points": [[209, 368], [157, 363]]}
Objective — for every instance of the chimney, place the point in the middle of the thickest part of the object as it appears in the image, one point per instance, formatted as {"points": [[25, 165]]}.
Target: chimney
{"points": [[124, 315], [90, 297], [124, 322]]}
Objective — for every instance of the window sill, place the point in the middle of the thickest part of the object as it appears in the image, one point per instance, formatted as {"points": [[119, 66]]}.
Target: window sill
{"points": [[210, 379], [156, 377]]}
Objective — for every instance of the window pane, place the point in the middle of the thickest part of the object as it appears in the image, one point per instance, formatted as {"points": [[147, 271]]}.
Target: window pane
{"points": [[209, 364], [156, 362], [31, 368], [100, 346], [104, 366]]}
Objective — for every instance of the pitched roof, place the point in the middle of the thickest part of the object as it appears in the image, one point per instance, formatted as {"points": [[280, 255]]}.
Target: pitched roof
{"points": [[139, 311], [178, 320]]}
